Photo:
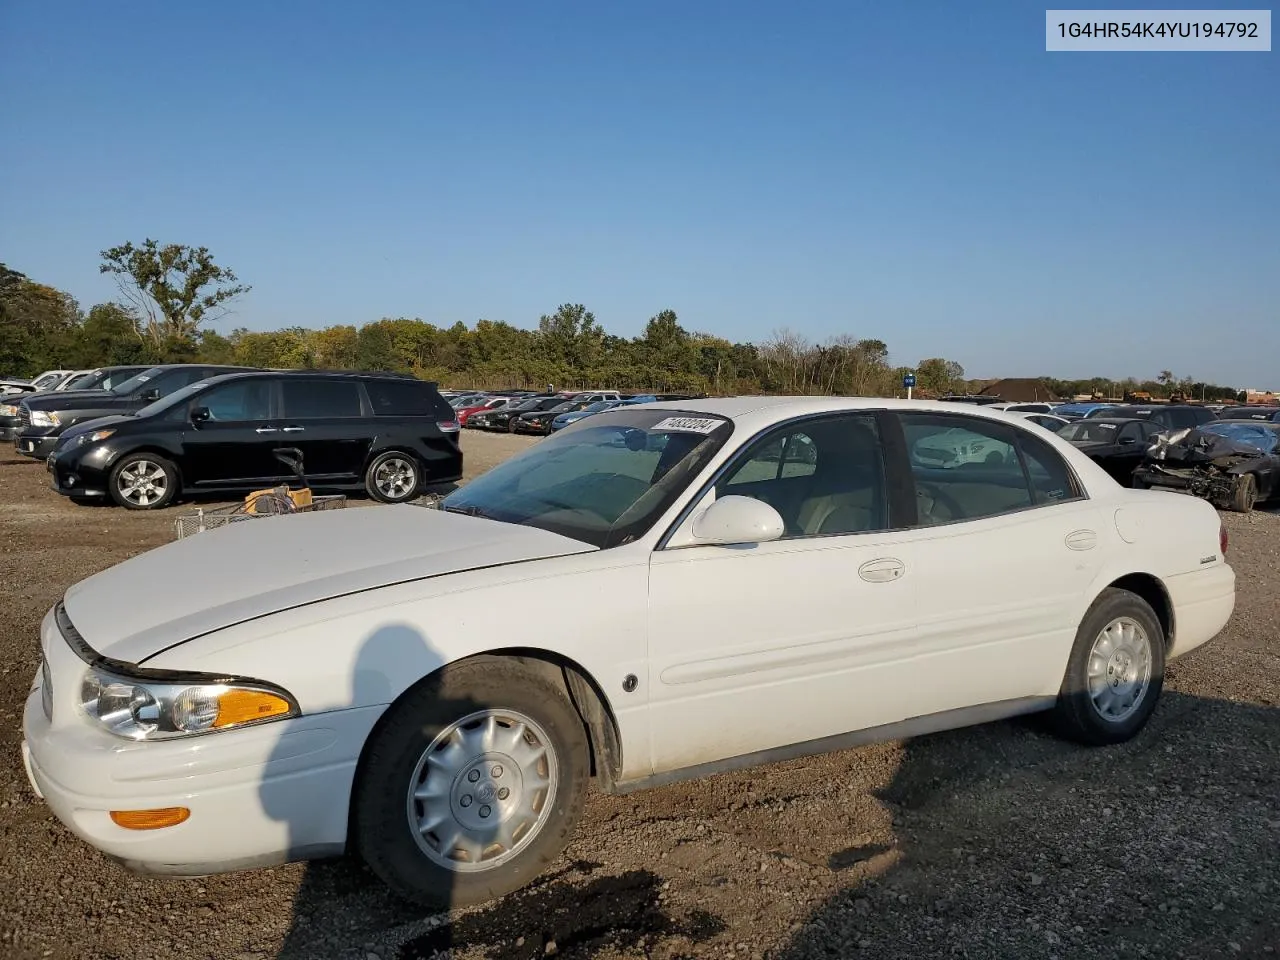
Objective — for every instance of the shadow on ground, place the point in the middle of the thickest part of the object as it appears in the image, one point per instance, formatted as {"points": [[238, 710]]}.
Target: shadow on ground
{"points": [[1005, 842]]}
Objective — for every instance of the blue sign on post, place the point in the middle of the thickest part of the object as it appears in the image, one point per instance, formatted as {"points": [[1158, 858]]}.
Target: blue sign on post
{"points": [[908, 379]]}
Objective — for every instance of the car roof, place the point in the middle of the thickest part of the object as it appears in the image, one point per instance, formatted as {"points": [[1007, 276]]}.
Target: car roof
{"points": [[1115, 420], [786, 407]]}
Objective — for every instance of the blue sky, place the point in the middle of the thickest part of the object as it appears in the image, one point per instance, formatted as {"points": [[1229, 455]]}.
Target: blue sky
{"points": [[924, 173]]}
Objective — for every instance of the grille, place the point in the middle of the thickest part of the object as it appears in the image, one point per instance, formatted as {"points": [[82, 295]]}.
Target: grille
{"points": [[46, 689], [24, 416]]}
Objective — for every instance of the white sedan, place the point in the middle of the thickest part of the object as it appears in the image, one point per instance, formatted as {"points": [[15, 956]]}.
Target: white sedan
{"points": [[654, 593]]}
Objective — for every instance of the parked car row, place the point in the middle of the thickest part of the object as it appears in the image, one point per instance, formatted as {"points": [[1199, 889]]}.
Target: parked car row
{"points": [[543, 413], [182, 429]]}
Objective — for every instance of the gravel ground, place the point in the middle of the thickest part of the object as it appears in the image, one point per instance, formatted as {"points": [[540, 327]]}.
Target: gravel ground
{"points": [[997, 841]]}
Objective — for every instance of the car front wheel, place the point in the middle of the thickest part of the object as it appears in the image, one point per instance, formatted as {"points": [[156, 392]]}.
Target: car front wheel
{"points": [[472, 783], [393, 477], [1115, 673], [1245, 494], [143, 481]]}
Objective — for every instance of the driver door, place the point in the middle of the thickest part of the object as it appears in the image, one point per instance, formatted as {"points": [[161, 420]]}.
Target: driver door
{"points": [[235, 446]]}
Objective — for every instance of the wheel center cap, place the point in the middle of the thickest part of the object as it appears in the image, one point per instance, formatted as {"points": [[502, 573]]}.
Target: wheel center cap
{"points": [[486, 793]]}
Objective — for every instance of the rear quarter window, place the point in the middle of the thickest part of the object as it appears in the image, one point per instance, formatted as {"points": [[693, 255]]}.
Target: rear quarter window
{"points": [[406, 398]]}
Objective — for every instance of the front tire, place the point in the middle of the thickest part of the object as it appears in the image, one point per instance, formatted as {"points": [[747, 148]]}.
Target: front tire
{"points": [[393, 477], [472, 784], [1245, 494], [1115, 673], [143, 481]]}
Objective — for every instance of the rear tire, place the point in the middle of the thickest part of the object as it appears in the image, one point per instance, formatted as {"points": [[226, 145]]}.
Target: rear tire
{"points": [[1246, 494], [1115, 672], [143, 481], [505, 743]]}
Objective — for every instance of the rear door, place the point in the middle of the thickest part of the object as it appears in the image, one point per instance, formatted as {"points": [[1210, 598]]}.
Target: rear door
{"points": [[325, 418], [1004, 549], [234, 445]]}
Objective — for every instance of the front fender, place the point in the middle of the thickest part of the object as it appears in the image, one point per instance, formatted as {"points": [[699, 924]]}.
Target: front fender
{"points": [[366, 649]]}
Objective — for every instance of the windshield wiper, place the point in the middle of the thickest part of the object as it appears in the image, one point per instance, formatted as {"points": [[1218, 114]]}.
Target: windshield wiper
{"points": [[468, 511]]}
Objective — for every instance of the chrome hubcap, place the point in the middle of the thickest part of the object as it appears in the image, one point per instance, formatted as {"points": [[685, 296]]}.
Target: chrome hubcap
{"points": [[482, 790], [395, 477], [142, 483], [1119, 669]]}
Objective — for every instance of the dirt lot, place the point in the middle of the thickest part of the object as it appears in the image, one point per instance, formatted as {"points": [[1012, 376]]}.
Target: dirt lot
{"points": [[996, 841]]}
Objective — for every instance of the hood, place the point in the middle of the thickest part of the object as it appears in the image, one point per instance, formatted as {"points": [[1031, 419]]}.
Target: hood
{"points": [[256, 567], [97, 423], [69, 399]]}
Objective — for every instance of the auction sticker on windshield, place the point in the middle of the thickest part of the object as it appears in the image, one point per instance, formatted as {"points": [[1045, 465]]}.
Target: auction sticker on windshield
{"points": [[687, 424]]}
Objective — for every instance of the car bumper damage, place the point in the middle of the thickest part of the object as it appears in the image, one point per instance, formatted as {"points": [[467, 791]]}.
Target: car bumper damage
{"points": [[1205, 465]]}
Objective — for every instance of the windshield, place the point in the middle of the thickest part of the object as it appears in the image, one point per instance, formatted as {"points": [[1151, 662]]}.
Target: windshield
{"points": [[81, 381], [598, 406], [1242, 431], [48, 380], [1090, 431], [136, 381], [604, 481], [525, 405]]}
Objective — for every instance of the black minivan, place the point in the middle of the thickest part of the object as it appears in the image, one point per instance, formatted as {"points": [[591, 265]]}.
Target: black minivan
{"points": [[385, 433]]}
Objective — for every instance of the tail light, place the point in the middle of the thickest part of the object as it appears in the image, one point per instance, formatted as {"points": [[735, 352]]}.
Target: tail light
{"points": [[1223, 539], [448, 426]]}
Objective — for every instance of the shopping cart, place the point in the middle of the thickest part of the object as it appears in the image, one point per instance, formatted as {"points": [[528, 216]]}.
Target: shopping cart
{"points": [[270, 502]]}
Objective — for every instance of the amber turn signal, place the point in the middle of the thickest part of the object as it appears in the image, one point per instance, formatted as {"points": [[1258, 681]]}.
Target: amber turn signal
{"points": [[245, 706], [150, 819]]}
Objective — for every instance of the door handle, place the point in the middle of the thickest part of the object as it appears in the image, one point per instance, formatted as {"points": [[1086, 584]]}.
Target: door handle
{"points": [[294, 429], [882, 571], [1081, 540], [265, 430]]}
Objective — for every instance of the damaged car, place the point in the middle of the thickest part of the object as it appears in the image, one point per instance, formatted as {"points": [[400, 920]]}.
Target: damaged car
{"points": [[1234, 464]]}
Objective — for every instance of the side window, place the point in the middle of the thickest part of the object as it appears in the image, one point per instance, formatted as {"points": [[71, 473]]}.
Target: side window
{"points": [[243, 400], [306, 399], [1132, 433], [965, 469], [824, 477]]}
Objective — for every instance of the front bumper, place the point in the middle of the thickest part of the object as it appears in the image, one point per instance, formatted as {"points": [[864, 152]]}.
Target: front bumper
{"points": [[72, 475], [260, 796], [532, 426], [37, 446], [9, 429]]}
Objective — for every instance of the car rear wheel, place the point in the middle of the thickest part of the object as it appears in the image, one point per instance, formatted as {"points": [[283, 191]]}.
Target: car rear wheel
{"points": [[472, 783], [511, 425], [1115, 673], [393, 477], [143, 481], [1245, 494]]}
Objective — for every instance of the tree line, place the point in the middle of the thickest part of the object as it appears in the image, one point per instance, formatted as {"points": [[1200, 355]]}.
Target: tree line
{"points": [[170, 293]]}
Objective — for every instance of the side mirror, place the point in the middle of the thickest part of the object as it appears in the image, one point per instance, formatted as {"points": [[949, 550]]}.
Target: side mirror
{"points": [[734, 521], [149, 396], [200, 414]]}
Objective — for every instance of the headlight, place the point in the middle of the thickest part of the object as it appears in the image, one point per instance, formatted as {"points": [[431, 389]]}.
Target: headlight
{"points": [[93, 437], [42, 418], [8, 410], [152, 710]]}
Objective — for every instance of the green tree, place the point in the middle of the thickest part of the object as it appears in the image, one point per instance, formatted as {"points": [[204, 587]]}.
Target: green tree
{"points": [[106, 338], [175, 289]]}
